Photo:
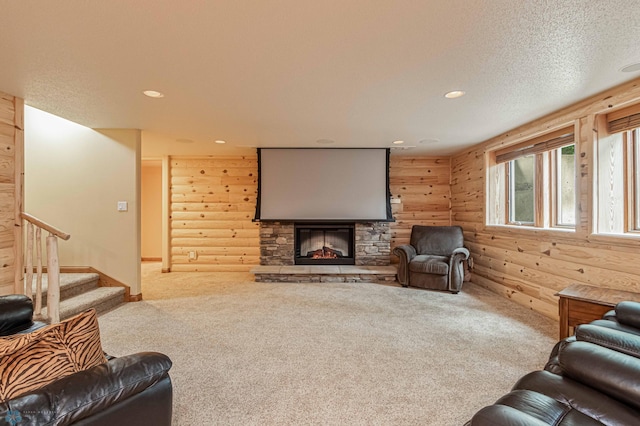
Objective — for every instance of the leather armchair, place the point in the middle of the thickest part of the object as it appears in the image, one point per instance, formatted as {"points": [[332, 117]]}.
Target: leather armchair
{"points": [[592, 378], [130, 390], [612, 331], [433, 259], [16, 315], [595, 386]]}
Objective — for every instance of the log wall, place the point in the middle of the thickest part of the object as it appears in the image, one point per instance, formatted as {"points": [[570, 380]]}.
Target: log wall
{"points": [[422, 186], [212, 205], [530, 266], [11, 142], [213, 202]]}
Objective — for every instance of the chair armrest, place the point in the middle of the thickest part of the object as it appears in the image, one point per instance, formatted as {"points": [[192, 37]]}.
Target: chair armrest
{"points": [[88, 392], [456, 269], [405, 253], [628, 313], [16, 313], [408, 251], [461, 251], [553, 364]]}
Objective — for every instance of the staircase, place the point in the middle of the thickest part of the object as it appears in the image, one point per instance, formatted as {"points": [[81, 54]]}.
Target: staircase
{"points": [[81, 291]]}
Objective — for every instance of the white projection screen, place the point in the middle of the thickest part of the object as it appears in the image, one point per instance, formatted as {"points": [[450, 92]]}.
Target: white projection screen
{"points": [[323, 184]]}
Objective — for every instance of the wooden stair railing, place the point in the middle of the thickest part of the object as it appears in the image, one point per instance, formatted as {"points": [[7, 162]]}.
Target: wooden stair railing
{"points": [[53, 266]]}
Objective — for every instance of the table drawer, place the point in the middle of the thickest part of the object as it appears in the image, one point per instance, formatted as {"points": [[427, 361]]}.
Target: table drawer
{"points": [[581, 312]]}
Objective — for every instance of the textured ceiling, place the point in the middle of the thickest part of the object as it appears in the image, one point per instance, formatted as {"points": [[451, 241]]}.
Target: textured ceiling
{"points": [[362, 73]]}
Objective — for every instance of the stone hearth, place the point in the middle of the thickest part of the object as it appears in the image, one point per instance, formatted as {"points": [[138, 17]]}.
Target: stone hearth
{"points": [[325, 274], [372, 256]]}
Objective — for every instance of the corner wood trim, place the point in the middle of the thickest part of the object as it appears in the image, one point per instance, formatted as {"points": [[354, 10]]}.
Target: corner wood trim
{"points": [[104, 281]]}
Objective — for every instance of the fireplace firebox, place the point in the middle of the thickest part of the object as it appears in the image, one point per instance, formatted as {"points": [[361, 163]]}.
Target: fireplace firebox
{"points": [[324, 243]]}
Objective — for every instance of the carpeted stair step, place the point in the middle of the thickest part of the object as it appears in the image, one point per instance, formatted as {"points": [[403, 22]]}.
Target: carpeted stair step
{"points": [[71, 284], [100, 298]]}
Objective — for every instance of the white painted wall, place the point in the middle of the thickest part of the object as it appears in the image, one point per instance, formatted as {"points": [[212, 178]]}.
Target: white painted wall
{"points": [[74, 177], [151, 209]]}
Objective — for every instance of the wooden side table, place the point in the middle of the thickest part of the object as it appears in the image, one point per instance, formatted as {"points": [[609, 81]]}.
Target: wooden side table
{"points": [[581, 304]]}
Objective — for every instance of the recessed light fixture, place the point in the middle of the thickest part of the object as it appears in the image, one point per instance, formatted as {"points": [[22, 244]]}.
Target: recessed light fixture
{"points": [[153, 94], [398, 142], [325, 141], [631, 67], [454, 94], [221, 142]]}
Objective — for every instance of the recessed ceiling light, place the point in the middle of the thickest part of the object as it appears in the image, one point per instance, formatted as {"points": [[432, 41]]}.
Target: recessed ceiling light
{"points": [[219, 141], [631, 67], [398, 142], [454, 94], [153, 94], [325, 141]]}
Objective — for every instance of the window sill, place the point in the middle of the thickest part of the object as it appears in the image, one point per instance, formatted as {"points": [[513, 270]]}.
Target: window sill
{"points": [[531, 229]]}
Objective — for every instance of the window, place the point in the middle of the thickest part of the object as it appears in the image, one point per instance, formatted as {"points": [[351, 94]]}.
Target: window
{"points": [[617, 186], [565, 178], [533, 183], [521, 193]]}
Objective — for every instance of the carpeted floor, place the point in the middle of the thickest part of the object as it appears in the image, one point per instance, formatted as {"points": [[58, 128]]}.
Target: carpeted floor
{"points": [[247, 353]]}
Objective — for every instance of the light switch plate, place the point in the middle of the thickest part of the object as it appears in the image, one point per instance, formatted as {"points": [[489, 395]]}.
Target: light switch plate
{"points": [[123, 206]]}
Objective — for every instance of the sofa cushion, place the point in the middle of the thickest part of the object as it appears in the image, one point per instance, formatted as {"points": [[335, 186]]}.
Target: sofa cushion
{"points": [[611, 338], [30, 361], [628, 313], [438, 240], [426, 264], [580, 397], [15, 313]]}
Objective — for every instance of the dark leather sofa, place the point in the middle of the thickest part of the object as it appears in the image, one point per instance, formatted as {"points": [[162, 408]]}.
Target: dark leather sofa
{"points": [[592, 378], [130, 390]]}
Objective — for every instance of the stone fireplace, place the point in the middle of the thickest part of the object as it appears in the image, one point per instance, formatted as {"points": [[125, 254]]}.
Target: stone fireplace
{"points": [[324, 243], [371, 243]]}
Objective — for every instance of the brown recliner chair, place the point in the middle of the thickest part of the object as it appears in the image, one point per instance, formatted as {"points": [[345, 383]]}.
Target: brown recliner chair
{"points": [[434, 259]]}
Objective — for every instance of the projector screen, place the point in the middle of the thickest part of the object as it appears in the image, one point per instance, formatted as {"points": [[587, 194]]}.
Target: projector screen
{"points": [[323, 184]]}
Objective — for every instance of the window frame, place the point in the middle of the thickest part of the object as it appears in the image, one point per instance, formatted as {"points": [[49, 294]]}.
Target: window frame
{"points": [[510, 193], [623, 125], [556, 182], [631, 139], [545, 181]]}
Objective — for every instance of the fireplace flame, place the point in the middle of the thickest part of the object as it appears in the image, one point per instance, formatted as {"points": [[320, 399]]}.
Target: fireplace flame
{"points": [[325, 253]]}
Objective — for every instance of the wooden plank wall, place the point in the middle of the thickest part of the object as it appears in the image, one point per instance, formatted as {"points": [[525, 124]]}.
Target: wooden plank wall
{"points": [[212, 204], [530, 266], [422, 186], [11, 109]]}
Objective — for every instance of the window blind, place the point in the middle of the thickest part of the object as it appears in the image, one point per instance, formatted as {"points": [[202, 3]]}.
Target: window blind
{"points": [[547, 142], [624, 119]]}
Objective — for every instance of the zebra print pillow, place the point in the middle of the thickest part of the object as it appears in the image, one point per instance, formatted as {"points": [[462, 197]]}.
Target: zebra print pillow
{"points": [[31, 361]]}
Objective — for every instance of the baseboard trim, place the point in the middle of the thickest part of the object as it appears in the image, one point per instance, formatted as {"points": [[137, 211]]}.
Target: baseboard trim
{"points": [[151, 259], [135, 298]]}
